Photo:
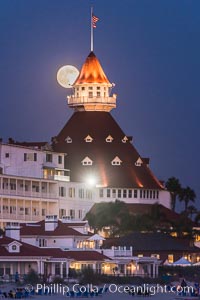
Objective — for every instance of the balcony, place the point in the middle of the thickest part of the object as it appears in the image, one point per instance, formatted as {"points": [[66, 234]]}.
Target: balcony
{"points": [[84, 101], [28, 194]]}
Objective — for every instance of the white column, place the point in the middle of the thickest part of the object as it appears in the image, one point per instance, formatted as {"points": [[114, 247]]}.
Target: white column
{"points": [[154, 270], [61, 269], [38, 266]]}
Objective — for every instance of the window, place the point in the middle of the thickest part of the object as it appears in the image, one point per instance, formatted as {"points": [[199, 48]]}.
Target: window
{"points": [[156, 256], [30, 156], [88, 139], [90, 88], [125, 139], [14, 247], [108, 193], [138, 163], [157, 194], [109, 139], [119, 193], [90, 94], [170, 258], [135, 193], [150, 194], [144, 194], [7, 155], [89, 194], [71, 192], [27, 211], [87, 161], [81, 193], [98, 94], [130, 193], [68, 140], [57, 268], [80, 214], [147, 194], [98, 88], [101, 193], [140, 193], [154, 194], [114, 193], [116, 161], [140, 255], [61, 191], [60, 159], [72, 213], [83, 88], [124, 193], [49, 157], [43, 212]]}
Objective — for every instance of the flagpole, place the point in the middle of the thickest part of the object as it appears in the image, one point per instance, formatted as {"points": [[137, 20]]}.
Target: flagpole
{"points": [[91, 24]]}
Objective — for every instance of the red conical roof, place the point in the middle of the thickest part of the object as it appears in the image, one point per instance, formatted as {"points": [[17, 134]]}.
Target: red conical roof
{"points": [[92, 72]]}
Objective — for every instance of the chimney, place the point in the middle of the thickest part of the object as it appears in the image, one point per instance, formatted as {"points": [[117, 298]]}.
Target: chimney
{"points": [[51, 222], [12, 230]]}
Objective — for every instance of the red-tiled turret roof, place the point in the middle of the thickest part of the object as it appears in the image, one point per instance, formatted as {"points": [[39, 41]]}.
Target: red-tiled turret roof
{"points": [[92, 72]]}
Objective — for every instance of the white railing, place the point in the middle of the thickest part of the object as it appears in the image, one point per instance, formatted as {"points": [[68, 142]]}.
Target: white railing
{"points": [[28, 194], [123, 252], [72, 100]]}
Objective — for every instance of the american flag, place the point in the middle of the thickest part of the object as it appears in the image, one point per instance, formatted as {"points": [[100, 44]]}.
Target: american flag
{"points": [[94, 21]]}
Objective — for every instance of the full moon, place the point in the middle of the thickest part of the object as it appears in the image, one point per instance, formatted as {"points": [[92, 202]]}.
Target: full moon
{"points": [[67, 75]]}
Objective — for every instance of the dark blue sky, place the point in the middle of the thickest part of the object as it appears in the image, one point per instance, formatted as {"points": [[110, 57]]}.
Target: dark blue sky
{"points": [[149, 49]]}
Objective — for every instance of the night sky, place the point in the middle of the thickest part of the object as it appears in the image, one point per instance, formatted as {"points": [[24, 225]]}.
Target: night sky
{"points": [[149, 49]]}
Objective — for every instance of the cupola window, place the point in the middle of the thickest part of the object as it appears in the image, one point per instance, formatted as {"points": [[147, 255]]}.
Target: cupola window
{"points": [[68, 140], [116, 161], [109, 139], [87, 161], [139, 162], [88, 139]]}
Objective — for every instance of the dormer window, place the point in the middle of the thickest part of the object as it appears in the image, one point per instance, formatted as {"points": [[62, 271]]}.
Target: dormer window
{"points": [[14, 247], [68, 140], [87, 161], [109, 139], [125, 139], [116, 161], [88, 139], [139, 162]]}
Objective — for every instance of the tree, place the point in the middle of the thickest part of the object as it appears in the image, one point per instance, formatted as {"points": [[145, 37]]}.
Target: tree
{"points": [[191, 210], [174, 187], [187, 195]]}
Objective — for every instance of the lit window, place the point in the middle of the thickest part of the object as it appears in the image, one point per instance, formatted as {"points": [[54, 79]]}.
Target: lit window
{"points": [[170, 258]]}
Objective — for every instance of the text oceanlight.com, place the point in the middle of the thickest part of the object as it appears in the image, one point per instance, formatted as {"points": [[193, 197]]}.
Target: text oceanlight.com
{"points": [[59, 288]]}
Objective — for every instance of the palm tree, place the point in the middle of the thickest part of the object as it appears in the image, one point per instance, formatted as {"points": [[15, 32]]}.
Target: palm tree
{"points": [[174, 187], [191, 210], [187, 195]]}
